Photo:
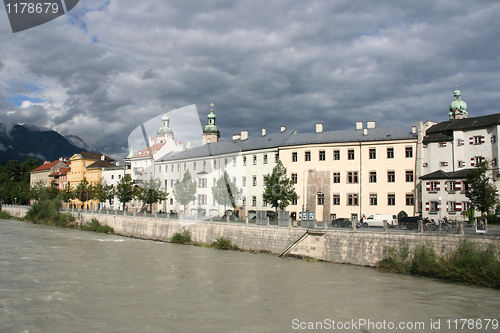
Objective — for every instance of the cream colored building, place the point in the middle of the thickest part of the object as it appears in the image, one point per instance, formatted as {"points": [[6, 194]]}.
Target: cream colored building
{"points": [[351, 173]]}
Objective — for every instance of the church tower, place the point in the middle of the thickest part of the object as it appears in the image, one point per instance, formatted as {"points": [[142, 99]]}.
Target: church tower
{"points": [[211, 133], [458, 108], [164, 131]]}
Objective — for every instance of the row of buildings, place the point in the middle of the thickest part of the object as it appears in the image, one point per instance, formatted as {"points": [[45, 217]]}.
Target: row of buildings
{"points": [[349, 173]]}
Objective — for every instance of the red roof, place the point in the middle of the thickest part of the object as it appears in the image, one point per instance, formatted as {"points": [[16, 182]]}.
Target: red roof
{"points": [[48, 165], [59, 172]]}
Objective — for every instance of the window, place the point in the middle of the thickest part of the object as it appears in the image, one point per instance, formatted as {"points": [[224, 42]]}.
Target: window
{"points": [[254, 201], [254, 180], [352, 177], [336, 199], [202, 182], [244, 160], [493, 139], [409, 199], [452, 206], [336, 177], [214, 181], [265, 159], [234, 162], [372, 177], [276, 157], [184, 166], [350, 154], [373, 199], [443, 163], [254, 159], [461, 164], [434, 206], [442, 144], [321, 199], [307, 156], [202, 199], [294, 178], [391, 199], [409, 151], [460, 142], [204, 165], [409, 176], [391, 176], [243, 181], [433, 186], [372, 154], [390, 152], [336, 155], [294, 202], [322, 155], [352, 199], [478, 139], [294, 157], [172, 168], [264, 202], [466, 205], [215, 164], [112, 176], [194, 165]]}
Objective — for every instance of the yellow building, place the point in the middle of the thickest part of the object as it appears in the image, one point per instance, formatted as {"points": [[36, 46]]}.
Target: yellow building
{"points": [[89, 166]]}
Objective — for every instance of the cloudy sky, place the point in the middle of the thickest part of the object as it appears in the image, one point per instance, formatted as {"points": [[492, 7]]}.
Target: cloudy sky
{"points": [[107, 66]]}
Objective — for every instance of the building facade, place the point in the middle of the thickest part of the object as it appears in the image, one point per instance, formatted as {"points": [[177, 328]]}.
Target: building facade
{"points": [[42, 174]]}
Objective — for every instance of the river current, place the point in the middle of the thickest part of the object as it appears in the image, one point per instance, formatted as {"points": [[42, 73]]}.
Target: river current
{"points": [[62, 280]]}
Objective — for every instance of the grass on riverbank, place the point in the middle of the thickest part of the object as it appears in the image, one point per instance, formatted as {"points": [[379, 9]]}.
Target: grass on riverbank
{"points": [[469, 264], [48, 212], [221, 243]]}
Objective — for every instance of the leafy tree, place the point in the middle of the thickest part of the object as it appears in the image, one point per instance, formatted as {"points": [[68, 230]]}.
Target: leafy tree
{"points": [[84, 191], [279, 190], [102, 192], [125, 190], [67, 194], [225, 191], [185, 190], [150, 192], [480, 190], [15, 181]]}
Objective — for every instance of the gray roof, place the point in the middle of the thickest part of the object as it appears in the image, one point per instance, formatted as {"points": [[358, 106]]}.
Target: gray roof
{"points": [[443, 131], [289, 138], [273, 140], [440, 174], [373, 134]]}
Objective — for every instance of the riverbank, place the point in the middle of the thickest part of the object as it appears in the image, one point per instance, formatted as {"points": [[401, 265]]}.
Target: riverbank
{"points": [[363, 248]]}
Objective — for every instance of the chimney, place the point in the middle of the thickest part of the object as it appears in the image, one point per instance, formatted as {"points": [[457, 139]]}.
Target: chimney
{"points": [[370, 124], [319, 127], [103, 157], [283, 128], [117, 163], [365, 131], [244, 135], [413, 129], [359, 125], [263, 131], [236, 136]]}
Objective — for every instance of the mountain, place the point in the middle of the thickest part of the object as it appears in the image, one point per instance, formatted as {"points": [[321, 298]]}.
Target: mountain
{"points": [[19, 142]]}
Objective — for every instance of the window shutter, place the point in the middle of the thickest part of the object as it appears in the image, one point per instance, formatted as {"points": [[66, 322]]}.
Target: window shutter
{"points": [[428, 186], [482, 138], [446, 186], [424, 165], [447, 206], [438, 186], [472, 161], [458, 186], [471, 140], [427, 206], [444, 144], [483, 159], [439, 205], [493, 139], [458, 206]]}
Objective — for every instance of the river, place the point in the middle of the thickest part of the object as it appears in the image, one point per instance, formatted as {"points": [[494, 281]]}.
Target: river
{"points": [[62, 280]]}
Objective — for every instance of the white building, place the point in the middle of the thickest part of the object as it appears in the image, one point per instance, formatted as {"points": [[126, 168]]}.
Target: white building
{"points": [[449, 151]]}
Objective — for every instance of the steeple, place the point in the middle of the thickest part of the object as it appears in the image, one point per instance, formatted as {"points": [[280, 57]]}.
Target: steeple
{"points": [[165, 130], [211, 133], [458, 108]]}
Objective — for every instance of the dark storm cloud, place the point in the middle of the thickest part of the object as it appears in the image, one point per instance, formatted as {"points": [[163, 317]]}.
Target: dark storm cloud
{"points": [[110, 66]]}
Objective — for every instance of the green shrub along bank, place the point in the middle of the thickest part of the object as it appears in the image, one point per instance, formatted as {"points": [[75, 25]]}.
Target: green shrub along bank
{"points": [[181, 238], [469, 264], [47, 212], [224, 244], [95, 225]]}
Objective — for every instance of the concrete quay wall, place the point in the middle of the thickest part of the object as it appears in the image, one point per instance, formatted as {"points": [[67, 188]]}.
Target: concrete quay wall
{"points": [[365, 248]]}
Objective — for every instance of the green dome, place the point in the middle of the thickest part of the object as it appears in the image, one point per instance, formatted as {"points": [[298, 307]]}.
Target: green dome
{"points": [[211, 128], [165, 129], [458, 104]]}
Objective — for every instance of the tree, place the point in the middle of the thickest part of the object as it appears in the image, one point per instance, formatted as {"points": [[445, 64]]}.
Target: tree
{"points": [[279, 190], [83, 191], [150, 192], [185, 190], [125, 190], [103, 191], [67, 194], [225, 191], [480, 190]]}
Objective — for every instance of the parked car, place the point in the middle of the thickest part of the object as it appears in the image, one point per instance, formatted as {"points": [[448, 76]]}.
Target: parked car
{"points": [[409, 222], [343, 223], [377, 220]]}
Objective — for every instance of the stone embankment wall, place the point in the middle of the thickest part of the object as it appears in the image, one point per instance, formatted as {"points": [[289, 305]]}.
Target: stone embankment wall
{"points": [[342, 246]]}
